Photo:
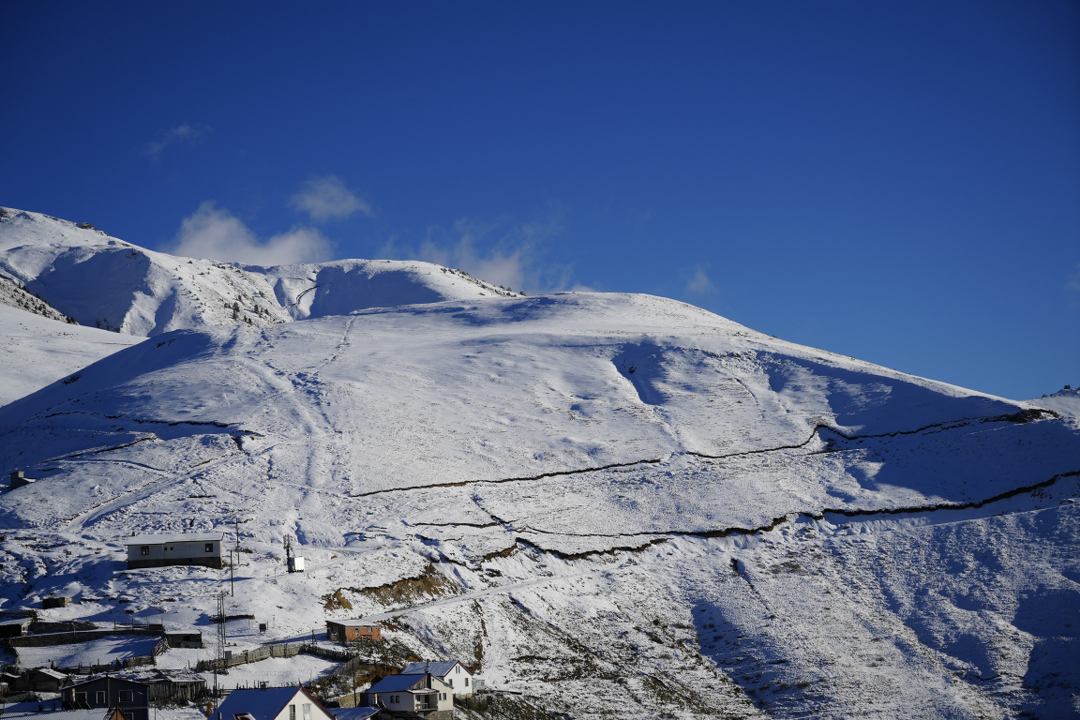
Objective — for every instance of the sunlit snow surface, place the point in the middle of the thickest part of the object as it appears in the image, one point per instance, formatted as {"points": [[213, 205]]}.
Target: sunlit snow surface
{"points": [[37, 351], [105, 282], [638, 507]]}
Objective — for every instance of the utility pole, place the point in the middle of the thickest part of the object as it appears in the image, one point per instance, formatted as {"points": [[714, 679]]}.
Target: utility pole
{"points": [[221, 638]]}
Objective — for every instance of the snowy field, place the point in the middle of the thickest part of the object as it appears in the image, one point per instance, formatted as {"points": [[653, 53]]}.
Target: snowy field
{"points": [[618, 505], [38, 351], [98, 652]]}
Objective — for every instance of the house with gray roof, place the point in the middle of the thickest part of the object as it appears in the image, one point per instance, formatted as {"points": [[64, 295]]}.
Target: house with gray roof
{"points": [[451, 672], [181, 549], [423, 694]]}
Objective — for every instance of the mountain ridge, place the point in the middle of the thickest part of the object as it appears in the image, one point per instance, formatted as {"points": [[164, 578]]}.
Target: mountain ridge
{"points": [[618, 504]]}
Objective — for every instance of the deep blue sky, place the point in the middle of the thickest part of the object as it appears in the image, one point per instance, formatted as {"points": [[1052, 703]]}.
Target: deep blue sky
{"points": [[896, 181]]}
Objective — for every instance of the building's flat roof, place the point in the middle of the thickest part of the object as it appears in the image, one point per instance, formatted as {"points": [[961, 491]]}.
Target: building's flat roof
{"points": [[352, 623], [181, 538]]}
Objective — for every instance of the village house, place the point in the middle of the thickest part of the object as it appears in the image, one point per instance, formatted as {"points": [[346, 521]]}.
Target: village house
{"points": [[131, 698], [451, 672], [351, 631], [41, 680], [291, 703], [174, 685], [423, 694], [160, 550]]}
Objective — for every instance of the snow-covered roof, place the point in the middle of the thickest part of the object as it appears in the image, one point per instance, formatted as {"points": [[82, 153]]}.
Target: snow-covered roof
{"points": [[95, 678], [259, 704], [180, 538], [396, 683], [33, 714], [51, 673], [354, 713], [439, 669]]}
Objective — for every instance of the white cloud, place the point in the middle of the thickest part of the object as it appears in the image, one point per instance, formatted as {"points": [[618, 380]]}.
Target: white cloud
{"points": [[1073, 286], [699, 283], [326, 198], [498, 251], [183, 133], [217, 234]]}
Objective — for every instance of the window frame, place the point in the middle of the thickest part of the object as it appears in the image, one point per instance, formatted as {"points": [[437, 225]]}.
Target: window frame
{"points": [[126, 696], [144, 549], [209, 547]]}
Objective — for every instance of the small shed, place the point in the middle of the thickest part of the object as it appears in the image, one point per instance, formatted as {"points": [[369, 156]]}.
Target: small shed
{"points": [[19, 479], [182, 549], [184, 639], [42, 680], [15, 626], [352, 630]]}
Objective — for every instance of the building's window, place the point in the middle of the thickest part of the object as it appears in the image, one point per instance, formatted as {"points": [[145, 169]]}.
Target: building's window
{"points": [[307, 711], [457, 668], [80, 698], [99, 697], [144, 550], [292, 712], [125, 696], [209, 547], [450, 682], [466, 682]]}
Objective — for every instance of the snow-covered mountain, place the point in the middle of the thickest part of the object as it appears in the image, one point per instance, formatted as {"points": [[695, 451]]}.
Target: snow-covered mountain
{"points": [[105, 282], [1065, 401], [618, 505]]}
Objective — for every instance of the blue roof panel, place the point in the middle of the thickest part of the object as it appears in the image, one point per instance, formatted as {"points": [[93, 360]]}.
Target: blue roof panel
{"points": [[261, 704], [438, 669], [394, 683]]}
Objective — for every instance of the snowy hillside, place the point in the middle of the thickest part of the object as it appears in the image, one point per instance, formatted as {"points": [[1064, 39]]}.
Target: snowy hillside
{"points": [[107, 283], [1065, 401], [620, 505], [38, 350]]}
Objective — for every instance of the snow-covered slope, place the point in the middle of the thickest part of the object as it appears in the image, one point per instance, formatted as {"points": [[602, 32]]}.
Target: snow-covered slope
{"points": [[104, 282], [620, 505], [1065, 401], [14, 294], [38, 350]]}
